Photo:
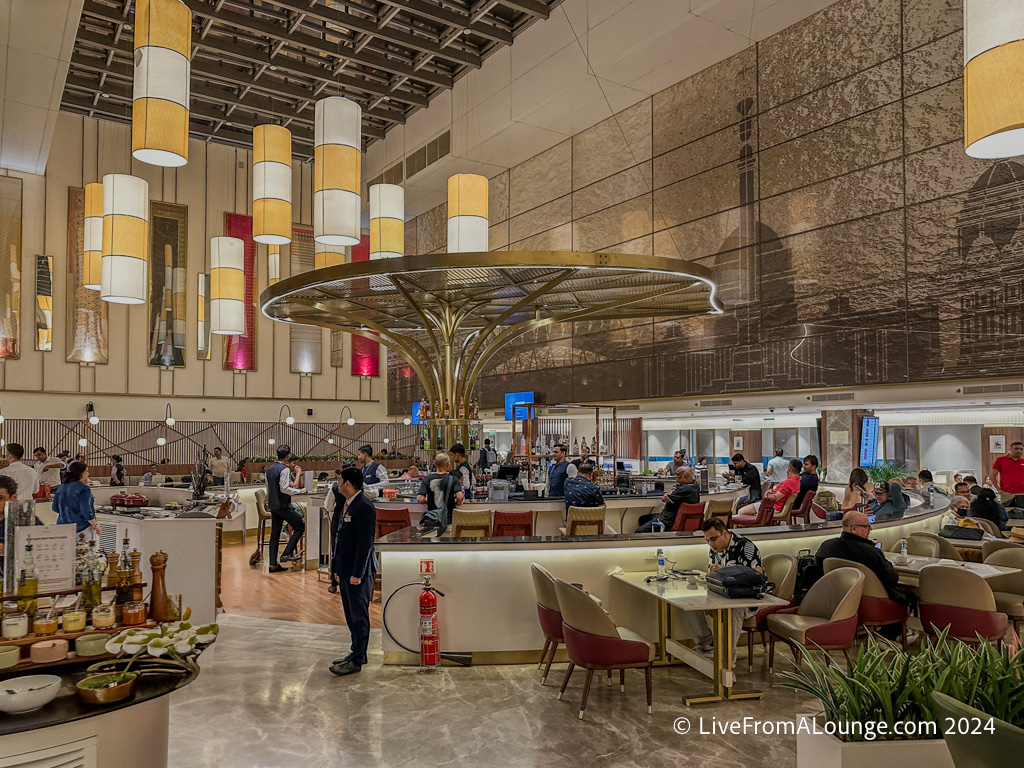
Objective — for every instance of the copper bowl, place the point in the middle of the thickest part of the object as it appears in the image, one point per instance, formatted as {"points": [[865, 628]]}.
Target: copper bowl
{"points": [[108, 694]]}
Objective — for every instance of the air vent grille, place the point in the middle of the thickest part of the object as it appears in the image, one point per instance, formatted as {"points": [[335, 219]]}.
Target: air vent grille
{"points": [[831, 397], [428, 154], [991, 389], [714, 403], [393, 175]]}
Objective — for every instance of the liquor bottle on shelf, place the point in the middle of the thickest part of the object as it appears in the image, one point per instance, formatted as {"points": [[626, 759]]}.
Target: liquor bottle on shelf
{"points": [[474, 409], [125, 575], [435, 411], [522, 445], [424, 409], [593, 445], [583, 448], [446, 412], [28, 583], [462, 408], [551, 444]]}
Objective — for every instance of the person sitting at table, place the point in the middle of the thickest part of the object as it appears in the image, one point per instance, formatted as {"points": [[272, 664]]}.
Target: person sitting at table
{"points": [[678, 460], [581, 491], [985, 506], [926, 484], [853, 544], [783, 491], [808, 478], [727, 548], [963, 490], [958, 510], [685, 491], [749, 475], [972, 484], [412, 473], [858, 490], [148, 477], [910, 482], [889, 502]]}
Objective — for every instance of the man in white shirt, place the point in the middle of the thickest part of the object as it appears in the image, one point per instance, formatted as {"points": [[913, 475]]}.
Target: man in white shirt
{"points": [[48, 469], [777, 467], [25, 476], [220, 465]]}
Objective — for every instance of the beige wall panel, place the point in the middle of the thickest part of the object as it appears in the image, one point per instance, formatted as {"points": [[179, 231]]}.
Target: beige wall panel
{"points": [[45, 207], [143, 378], [285, 384], [220, 178], [325, 385], [191, 181]]}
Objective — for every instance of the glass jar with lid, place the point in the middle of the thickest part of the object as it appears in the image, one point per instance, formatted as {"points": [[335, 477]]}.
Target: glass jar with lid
{"points": [[14, 624]]}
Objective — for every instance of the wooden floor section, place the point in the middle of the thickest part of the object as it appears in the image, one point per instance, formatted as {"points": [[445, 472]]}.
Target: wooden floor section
{"points": [[292, 596]]}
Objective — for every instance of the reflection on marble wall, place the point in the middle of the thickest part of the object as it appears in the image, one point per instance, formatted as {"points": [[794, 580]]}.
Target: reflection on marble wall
{"points": [[821, 175]]}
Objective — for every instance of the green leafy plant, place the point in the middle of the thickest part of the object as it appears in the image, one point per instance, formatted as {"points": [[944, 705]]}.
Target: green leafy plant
{"points": [[887, 471], [887, 684]]}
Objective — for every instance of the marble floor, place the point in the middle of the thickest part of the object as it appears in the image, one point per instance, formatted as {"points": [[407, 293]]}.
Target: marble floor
{"points": [[266, 700]]}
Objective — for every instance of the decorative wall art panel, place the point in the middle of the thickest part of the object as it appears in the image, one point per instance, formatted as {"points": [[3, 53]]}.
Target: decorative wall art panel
{"points": [[168, 261], [44, 303], [365, 352], [10, 268], [240, 351], [204, 339], [87, 340], [305, 341]]}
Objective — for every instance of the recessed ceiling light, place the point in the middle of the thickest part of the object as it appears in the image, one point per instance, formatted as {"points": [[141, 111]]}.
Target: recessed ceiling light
{"points": [[466, 31], [227, 122], [273, 67], [128, 26], [105, 95]]}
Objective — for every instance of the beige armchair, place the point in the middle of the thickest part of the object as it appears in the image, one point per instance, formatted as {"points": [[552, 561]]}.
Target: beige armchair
{"points": [[470, 523], [876, 608], [780, 570], [945, 546], [1008, 590]]}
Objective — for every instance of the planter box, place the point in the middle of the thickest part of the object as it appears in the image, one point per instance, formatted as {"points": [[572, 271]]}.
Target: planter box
{"points": [[815, 750]]}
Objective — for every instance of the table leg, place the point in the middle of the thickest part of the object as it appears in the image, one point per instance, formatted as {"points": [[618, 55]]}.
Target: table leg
{"points": [[729, 692], [663, 620], [719, 690]]}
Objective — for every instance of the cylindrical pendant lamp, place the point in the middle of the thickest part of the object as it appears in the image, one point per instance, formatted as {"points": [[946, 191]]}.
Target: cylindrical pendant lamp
{"points": [[271, 185], [227, 286], [273, 264], [124, 278], [163, 44], [92, 261], [387, 221], [467, 213], [337, 169], [330, 255], [993, 73]]}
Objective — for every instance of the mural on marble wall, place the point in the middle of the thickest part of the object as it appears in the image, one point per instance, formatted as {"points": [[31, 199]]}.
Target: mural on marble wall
{"points": [[86, 316], [305, 341], [240, 351], [821, 175], [44, 303], [10, 267], [168, 259]]}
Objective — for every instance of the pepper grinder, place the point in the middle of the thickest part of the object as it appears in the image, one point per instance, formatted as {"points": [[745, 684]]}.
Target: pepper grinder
{"points": [[136, 556], [111, 569], [159, 610]]}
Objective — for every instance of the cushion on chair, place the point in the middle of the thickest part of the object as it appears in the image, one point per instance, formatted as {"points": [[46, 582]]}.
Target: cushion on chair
{"points": [[792, 626], [963, 623], [1011, 604], [550, 622], [629, 634], [602, 651], [880, 610]]}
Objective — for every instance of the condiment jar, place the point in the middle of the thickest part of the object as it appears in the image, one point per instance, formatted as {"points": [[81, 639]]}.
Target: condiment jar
{"points": [[133, 613], [15, 621], [44, 625], [73, 621], [103, 616]]}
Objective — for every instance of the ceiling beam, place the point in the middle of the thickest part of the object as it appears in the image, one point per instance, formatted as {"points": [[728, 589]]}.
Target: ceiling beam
{"points": [[536, 8], [443, 15]]}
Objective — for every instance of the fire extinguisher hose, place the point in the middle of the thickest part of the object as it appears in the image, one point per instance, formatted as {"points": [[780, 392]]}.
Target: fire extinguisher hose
{"points": [[465, 659]]}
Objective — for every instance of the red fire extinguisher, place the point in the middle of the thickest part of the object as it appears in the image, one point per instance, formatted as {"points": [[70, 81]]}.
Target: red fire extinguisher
{"points": [[430, 646]]}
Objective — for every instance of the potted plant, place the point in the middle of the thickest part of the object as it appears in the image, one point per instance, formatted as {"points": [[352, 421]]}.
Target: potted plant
{"points": [[887, 471], [892, 688]]}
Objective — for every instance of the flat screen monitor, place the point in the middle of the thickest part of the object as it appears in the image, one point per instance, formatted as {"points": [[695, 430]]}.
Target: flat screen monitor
{"points": [[869, 441], [514, 398], [416, 418], [508, 473]]}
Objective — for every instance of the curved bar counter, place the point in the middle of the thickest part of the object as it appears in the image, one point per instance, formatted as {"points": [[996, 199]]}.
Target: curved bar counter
{"points": [[489, 608]]}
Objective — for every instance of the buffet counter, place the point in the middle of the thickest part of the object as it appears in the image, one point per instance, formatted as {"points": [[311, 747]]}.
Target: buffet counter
{"points": [[489, 609]]}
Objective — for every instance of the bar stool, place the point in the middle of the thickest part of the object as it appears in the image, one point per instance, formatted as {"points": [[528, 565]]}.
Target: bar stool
{"points": [[513, 523], [586, 521], [471, 523], [262, 526]]}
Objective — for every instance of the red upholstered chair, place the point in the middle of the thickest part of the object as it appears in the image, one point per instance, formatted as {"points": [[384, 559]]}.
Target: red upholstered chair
{"points": [[960, 600], [595, 643], [825, 620], [762, 518], [781, 571], [549, 614], [689, 516], [804, 510], [391, 520], [513, 523], [820, 512], [876, 608]]}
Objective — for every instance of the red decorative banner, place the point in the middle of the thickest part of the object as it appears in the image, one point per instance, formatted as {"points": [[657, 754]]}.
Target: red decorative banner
{"points": [[240, 351], [365, 353]]}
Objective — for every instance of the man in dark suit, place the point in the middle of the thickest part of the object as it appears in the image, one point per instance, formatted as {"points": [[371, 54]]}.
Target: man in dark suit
{"points": [[354, 563]]}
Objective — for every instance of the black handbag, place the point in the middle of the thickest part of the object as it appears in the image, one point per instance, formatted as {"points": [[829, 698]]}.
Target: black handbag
{"points": [[960, 532], [738, 581]]}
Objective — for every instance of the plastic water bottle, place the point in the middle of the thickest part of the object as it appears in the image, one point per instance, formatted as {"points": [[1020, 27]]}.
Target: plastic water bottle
{"points": [[661, 562], [658, 526], [903, 548], [931, 497]]}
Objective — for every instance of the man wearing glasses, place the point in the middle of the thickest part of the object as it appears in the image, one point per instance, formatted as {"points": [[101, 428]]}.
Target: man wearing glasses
{"points": [[853, 544]]}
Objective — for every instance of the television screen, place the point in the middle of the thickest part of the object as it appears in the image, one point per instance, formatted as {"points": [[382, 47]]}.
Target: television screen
{"points": [[513, 398], [416, 413], [869, 441]]}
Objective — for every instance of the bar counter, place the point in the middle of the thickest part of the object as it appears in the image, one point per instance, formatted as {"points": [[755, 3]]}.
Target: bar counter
{"points": [[489, 608]]}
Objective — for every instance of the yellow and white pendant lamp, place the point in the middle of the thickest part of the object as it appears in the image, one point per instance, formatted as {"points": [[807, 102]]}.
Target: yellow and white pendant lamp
{"points": [[92, 270], [994, 78], [337, 169], [271, 185], [467, 213], [163, 43], [124, 275], [273, 264], [227, 286], [330, 255], [387, 221]]}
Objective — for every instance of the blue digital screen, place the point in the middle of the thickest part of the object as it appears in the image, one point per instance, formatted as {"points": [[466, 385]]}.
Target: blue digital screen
{"points": [[416, 412], [512, 399], [869, 441]]}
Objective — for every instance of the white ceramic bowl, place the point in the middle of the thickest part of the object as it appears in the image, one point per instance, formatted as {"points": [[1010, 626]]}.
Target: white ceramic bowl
{"points": [[29, 693]]}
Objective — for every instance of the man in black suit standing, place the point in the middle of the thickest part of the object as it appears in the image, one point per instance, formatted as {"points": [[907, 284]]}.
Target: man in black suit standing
{"points": [[353, 563]]}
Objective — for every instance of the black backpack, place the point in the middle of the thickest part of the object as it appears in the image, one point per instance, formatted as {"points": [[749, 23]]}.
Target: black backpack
{"points": [[738, 581], [959, 532], [807, 572]]}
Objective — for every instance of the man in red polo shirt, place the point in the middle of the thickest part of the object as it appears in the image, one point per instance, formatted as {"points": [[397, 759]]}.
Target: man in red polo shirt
{"points": [[1008, 475]]}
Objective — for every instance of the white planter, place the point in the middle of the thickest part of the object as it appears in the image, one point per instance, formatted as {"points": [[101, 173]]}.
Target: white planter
{"points": [[815, 750]]}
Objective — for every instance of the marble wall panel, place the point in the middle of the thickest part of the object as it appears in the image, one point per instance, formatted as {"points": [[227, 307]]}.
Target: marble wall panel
{"points": [[702, 155], [557, 239], [933, 64], [616, 189], [541, 179], [700, 238], [845, 38], [928, 20], [497, 194], [411, 242], [498, 236], [934, 117], [941, 171], [834, 103], [540, 219], [643, 246], [612, 145], [863, 193], [614, 225], [432, 230], [704, 103], [703, 195], [608, 340], [833, 151]]}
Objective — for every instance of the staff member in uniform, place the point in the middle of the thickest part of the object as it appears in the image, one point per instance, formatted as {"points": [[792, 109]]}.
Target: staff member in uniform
{"points": [[374, 473], [279, 489], [462, 468], [561, 470], [354, 564]]}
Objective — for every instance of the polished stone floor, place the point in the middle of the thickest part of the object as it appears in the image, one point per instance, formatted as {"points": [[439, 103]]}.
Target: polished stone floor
{"points": [[266, 700]]}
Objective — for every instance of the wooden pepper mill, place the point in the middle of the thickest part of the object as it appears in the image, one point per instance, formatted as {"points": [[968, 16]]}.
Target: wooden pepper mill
{"points": [[112, 569], [136, 556], [159, 609]]}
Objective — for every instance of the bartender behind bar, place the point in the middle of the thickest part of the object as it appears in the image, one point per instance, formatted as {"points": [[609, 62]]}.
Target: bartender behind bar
{"points": [[561, 470]]}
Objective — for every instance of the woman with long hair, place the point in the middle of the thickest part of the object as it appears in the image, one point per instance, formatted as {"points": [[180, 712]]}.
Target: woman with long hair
{"points": [[857, 490], [986, 506], [73, 502]]}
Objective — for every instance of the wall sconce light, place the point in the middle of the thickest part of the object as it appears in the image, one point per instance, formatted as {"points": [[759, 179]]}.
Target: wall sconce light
{"points": [[168, 418], [350, 421], [289, 419], [90, 414], [82, 442], [161, 441]]}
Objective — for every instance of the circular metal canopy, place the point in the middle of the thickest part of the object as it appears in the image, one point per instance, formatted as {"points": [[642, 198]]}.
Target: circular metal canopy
{"points": [[492, 290]]}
